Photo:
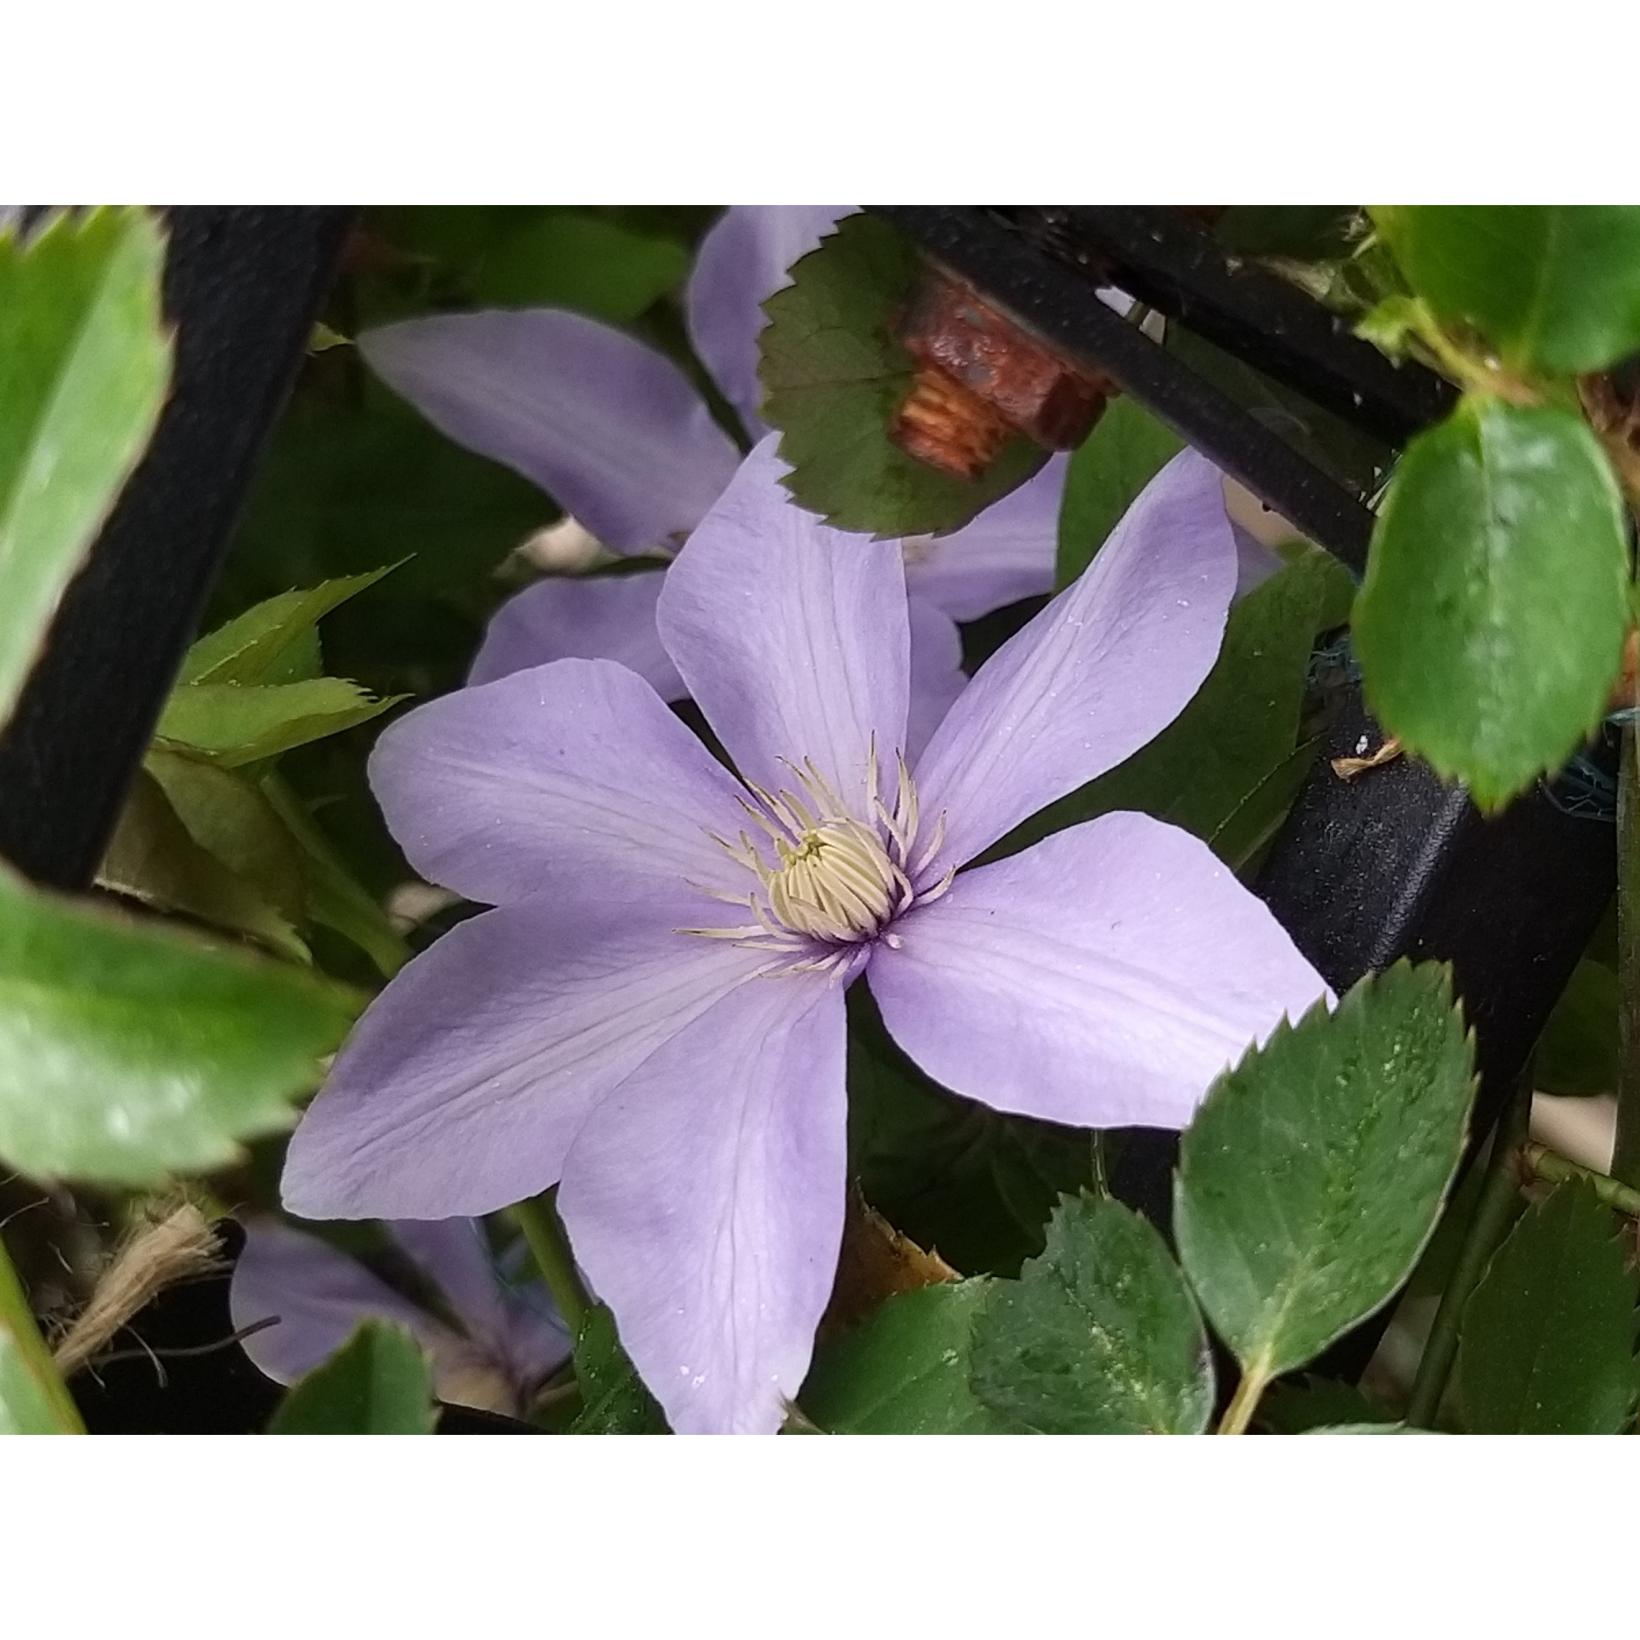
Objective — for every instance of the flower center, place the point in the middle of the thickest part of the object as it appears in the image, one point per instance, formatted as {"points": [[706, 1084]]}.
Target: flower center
{"points": [[825, 872]]}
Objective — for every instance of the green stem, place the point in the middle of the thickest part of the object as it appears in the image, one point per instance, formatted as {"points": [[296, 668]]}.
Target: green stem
{"points": [[1244, 1403], [17, 1320], [1626, 1151], [1486, 1229], [1553, 1168], [549, 1246]]}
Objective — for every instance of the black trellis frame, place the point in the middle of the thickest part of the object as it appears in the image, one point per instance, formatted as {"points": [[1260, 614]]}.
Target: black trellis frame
{"points": [[1393, 864]]}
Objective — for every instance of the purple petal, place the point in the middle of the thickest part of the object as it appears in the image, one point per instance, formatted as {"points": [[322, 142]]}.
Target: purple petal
{"points": [[320, 1296], [464, 1085], [1103, 669], [1009, 552], [937, 677], [705, 1200], [571, 779], [517, 1327], [792, 637], [454, 1254], [742, 262], [594, 617], [611, 429], [1102, 978]]}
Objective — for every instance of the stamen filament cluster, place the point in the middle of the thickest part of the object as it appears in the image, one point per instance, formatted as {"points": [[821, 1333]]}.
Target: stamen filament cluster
{"points": [[835, 880]]}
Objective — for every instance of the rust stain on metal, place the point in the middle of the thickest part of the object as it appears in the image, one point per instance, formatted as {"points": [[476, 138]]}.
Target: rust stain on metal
{"points": [[981, 377]]}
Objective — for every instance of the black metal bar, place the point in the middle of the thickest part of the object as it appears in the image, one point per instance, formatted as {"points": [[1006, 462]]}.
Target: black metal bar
{"points": [[1057, 303], [242, 286], [1170, 264]]}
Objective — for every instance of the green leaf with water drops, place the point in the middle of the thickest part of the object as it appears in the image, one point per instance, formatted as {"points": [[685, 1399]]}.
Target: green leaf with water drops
{"points": [[84, 362], [1554, 288], [835, 375], [613, 1398], [1126, 449], [378, 1383], [1491, 621], [1099, 1336], [1313, 1173], [1547, 1343], [904, 1371]]}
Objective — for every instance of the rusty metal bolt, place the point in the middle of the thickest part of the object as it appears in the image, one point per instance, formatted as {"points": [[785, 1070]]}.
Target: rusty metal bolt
{"points": [[979, 378]]}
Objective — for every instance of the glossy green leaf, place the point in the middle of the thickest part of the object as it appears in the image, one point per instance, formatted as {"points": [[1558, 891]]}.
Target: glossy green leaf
{"points": [[1313, 1173], [835, 375], [1099, 1336], [84, 362], [234, 724], [1554, 288], [255, 647], [1547, 1346], [613, 1398], [153, 858], [1491, 620], [1126, 449], [1578, 1052], [129, 1050], [33, 1399], [1225, 768], [904, 1371], [378, 1383]]}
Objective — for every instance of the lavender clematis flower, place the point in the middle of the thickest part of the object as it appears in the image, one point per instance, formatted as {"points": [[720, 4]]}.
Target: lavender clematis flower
{"points": [[615, 431], [507, 1341], [653, 1015]]}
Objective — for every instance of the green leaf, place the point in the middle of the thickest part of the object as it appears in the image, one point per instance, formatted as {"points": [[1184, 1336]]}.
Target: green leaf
{"points": [[33, 1399], [242, 723], [251, 647], [613, 1398], [84, 362], [904, 1371], [1126, 449], [129, 1050], [229, 816], [1321, 1405], [1578, 1051], [611, 263], [835, 376], [1554, 288], [1547, 1346], [1313, 1173], [378, 1383], [1491, 621], [1225, 768], [153, 859], [1099, 1336]]}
